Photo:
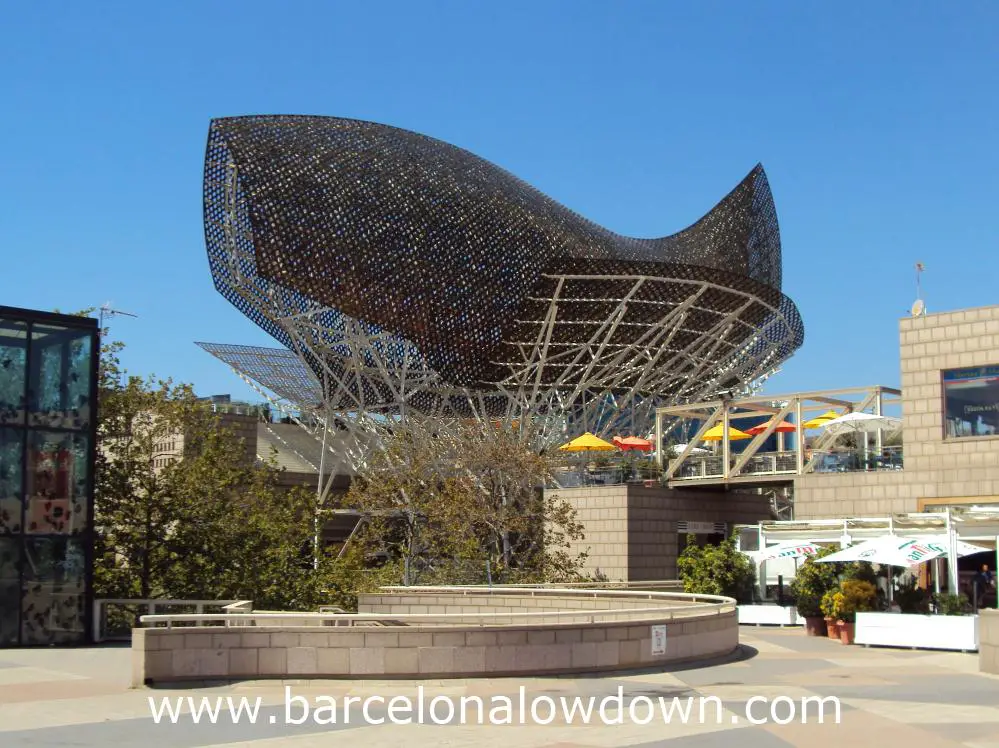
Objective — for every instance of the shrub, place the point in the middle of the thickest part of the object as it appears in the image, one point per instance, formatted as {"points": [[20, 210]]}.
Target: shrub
{"points": [[862, 571], [716, 570], [828, 604], [811, 582], [854, 596], [950, 605], [910, 597]]}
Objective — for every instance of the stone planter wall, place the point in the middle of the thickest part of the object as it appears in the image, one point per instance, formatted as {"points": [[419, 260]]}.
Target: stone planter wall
{"points": [[418, 650], [988, 641]]}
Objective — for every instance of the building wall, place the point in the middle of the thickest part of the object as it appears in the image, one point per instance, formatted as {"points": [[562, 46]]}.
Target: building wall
{"points": [[631, 531], [937, 470], [48, 388]]}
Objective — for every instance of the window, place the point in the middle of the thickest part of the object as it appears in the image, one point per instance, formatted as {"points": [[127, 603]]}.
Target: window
{"points": [[971, 401]]}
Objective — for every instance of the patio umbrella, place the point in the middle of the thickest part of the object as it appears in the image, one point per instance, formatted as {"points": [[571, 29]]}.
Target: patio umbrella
{"points": [[696, 450], [893, 550], [788, 549], [820, 421], [938, 546], [862, 422], [783, 427], [884, 550], [588, 443], [716, 434], [632, 442]]}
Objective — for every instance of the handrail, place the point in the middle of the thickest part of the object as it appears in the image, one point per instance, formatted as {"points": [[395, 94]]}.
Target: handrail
{"points": [[556, 585], [102, 603], [696, 604], [481, 619], [552, 591]]}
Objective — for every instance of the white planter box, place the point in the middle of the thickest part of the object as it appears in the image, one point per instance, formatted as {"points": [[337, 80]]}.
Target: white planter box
{"points": [[773, 615], [959, 633]]}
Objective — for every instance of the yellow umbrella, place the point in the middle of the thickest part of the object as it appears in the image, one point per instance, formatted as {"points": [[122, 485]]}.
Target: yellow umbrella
{"points": [[716, 434], [588, 443], [820, 421]]}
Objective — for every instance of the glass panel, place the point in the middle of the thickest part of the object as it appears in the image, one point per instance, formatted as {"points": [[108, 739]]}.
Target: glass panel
{"points": [[52, 606], [13, 343], [11, 495], [56, 483], [10, 590], [971, 402], [59, 370]]}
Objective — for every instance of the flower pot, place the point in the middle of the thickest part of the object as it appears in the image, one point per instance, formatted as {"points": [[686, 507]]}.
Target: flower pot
{"points": [[845, 632], [832, 630], [815, 626]]}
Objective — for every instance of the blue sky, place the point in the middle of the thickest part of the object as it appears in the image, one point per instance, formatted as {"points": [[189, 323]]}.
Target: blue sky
{"points": [[876, 122]]}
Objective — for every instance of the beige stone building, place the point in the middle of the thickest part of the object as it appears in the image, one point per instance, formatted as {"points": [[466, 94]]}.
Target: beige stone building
{"points": [[287, 445], [951, 448], [634, 532]]}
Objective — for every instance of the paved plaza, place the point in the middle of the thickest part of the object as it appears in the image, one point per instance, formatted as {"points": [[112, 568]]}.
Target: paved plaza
{"points": [[80, 697]]}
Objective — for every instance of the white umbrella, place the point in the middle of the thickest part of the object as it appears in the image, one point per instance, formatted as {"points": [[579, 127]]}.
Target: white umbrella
{"points": [[789, 549], [883, 550], [936, 545], [862, 422], [680, 447], [892, 550]]}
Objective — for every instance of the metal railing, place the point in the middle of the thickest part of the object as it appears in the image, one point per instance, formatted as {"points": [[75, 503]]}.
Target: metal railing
{"points": [[576, 476], [849, 461], [672, 606], [701, 467], [127, 612]]}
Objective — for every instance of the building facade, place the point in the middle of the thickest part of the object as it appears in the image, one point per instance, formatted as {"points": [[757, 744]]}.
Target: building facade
{"points": [[950, 426], [635, 533], [48, 422]]}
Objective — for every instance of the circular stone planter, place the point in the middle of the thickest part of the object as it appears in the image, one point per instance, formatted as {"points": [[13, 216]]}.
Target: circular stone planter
{"points": [[442, 632]]}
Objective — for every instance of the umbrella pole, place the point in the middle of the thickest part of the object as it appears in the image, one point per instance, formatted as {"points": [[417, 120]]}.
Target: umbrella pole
{"points": [[936, 575]]}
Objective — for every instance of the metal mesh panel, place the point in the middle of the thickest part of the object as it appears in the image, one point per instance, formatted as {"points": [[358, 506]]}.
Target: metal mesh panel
{"points": [[407, 273]]}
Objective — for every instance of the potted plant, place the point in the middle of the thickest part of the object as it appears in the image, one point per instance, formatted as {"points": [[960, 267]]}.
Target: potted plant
{"points": [[830, 612], [811, 582], [910, 597], [855, 596], [950, 605]]}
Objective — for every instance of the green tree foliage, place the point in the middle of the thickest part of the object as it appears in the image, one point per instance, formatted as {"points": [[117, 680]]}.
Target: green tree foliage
{"points": [[716, 570], [446, 505], [854, 596], [214, 524], [910, 597], [812, 581]]}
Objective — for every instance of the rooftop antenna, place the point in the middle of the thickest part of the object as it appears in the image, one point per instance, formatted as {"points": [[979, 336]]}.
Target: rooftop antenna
{"points": [[107, 311], [918, 307]]}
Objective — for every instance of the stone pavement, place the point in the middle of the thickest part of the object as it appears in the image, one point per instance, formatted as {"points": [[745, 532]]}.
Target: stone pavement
{"points": [[80, 697]]}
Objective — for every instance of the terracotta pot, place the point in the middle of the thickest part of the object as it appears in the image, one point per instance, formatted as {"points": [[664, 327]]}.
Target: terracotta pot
{"points": [[845, 631], [815, 626], [832, 630]]}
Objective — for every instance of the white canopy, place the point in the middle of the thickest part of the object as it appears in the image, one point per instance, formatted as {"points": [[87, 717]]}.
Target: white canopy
{"points": [[893, 550], [792, 549], [862, 422], [696, 450]]}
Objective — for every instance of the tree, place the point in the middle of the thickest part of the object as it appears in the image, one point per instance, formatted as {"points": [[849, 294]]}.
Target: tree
{"points": [[447, 503], [214, 524], [812, 581], [716, 570]]}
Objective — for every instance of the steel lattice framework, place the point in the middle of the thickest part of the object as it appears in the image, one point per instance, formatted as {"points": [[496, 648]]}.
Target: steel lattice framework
{"points": [[410, 278]]}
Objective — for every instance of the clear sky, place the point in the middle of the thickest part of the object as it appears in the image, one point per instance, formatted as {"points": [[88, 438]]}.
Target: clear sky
{"points": [[877, 124]]}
